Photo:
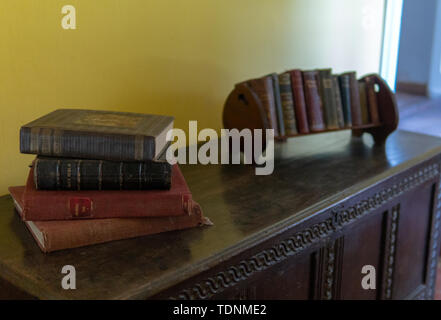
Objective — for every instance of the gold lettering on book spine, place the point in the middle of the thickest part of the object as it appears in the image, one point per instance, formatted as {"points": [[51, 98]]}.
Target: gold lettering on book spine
{"points": [[35, 132], [139, 147]]}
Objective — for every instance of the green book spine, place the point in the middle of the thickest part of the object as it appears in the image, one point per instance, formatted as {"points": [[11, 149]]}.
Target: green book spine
{"points": [[278, 101], [363, 103], [327, 96], [338, 102], [287, 99], [345, 90]]}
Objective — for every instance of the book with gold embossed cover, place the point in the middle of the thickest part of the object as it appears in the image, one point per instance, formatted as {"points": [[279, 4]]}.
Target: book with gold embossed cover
{"points": [[94, 134]]}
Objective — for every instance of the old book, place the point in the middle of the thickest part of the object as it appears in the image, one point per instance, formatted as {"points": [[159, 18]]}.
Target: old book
{"points": [[92, 134], [355, 99], [263, 87], [363, 103], [58, 235], [299, 101], [338, 101], [313, 101], [287, 103], [328, 100], [372, 100], [94, 204], [83, 174], [278, 102], [345, 90]]}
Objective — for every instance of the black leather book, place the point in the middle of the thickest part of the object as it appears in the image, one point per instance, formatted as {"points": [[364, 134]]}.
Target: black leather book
{"points": [[83, 174], [93, 134]]}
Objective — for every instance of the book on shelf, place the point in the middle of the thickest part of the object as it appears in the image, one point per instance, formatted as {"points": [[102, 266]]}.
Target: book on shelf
{"points": [[299, 101], [287, 100], [355, 99], [313, 101], [326, 91], [94, 204], [58, 235], [338, 101], [263, 87], [93, 134], [278, 103], [345, 90], [52, 173]]}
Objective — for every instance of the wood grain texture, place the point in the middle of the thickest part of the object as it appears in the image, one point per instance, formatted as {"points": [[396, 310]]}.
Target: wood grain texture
{"points": [[263, 241]]}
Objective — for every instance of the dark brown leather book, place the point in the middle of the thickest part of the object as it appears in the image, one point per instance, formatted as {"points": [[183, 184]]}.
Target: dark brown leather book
{"points": [[372, 100], [364, 103], [263, 87], [355, 99], [338, 101], [299, 101], [313, 101], [58, 235], [287, 103], [345, 90], [93, 134], [326, 91]]}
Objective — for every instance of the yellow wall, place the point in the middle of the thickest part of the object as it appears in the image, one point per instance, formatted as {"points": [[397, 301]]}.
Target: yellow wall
{"points": [[178, 57]]}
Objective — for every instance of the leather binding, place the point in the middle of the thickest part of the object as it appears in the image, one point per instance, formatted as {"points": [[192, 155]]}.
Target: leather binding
{"points": [[95, 204], [83, 174], [355, 99], [345, 90], [287, 103], [328, 99], [372, 100], [363, 102], [93, 134], [299, 101], [313, 101], [337, 101], [278, 103], [59, 235], [263, 87]]}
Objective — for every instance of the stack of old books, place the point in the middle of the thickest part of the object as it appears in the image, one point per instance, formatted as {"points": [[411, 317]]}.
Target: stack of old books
{"points": [[101, 176]]}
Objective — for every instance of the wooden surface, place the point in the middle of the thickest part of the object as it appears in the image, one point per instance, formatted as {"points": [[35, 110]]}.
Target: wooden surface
{"points": [[314, 176]]}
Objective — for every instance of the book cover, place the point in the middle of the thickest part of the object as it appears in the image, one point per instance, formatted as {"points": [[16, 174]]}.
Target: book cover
{"points": [[338, 101], [278, 102], [299, 101], [345, 90], [93, 134], [355, 99], [287, 103], [313, 101], [328, 99], [263, 87], [94, 204], [58, 235], [363, 103], [372, 100]]}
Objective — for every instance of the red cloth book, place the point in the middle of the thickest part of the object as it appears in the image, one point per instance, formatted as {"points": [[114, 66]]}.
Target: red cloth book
{"points": [[59, 235], [67, 205]]}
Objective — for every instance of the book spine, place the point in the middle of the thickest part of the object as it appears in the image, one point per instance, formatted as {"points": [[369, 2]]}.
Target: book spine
{"points": [[60, 235], [363, 102], [76, 174], [372, 100], [278, 103], [313, 101], [263, 87], [338, 102], [299, 101], [355, 100], [287, 103], [65, 143], [327, 94], [345, 89]]}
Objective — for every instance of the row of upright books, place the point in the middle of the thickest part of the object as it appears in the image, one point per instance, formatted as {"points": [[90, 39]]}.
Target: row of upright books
{"points": [[101, 176], [299, 102]]}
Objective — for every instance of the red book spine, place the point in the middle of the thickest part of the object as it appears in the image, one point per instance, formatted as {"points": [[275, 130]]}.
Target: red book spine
{"points": [[313, 101], [66, 205], [299, 101]]}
